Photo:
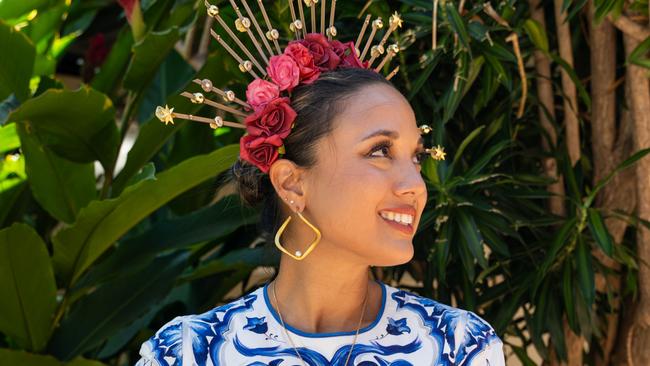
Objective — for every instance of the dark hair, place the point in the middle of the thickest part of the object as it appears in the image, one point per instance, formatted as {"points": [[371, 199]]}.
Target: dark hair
{"points": [[317, 105]]}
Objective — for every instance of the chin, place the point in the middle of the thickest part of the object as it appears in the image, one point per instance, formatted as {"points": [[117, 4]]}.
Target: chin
{"points": [[393, 256]]}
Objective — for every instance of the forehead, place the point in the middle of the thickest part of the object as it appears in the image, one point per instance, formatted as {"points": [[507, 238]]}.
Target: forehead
{"points": [[376, 107]]}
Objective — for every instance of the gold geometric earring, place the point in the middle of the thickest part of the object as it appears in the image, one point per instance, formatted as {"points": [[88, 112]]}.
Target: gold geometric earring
{"points": [[298, 255]]}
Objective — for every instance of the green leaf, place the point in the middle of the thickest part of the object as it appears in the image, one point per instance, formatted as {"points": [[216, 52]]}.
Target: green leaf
{"points": [[83, 133], [22, 358], [457, 24], [103, 222], [471, 236], [112, 70], [15, 71], [8, 138], [216, 221], [599, 231], [567, 295], [27, 287], [560, 240], [477, 30], [463, 145], [106, 310], [454, 92], [13, 9], [585, 272], [522, 356], [10, 197], [425, 74], [148, 54], [625, 164], [604, 7], [639, 55], [60, 186], [537, 34], [239, 259], [582, 92]]}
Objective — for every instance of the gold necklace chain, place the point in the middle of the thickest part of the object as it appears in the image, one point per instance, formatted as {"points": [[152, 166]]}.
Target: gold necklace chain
{"points": [[365, 299]]}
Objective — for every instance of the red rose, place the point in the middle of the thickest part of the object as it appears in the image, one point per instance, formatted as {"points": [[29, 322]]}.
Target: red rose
{"points": [[260, 151], [324, 56], [348, 54], [284, 71], [299, 53], [260, 92], [275, 119]]}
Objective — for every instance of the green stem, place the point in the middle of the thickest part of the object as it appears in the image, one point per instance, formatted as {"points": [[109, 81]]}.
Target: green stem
{"points": [[125, 122]]}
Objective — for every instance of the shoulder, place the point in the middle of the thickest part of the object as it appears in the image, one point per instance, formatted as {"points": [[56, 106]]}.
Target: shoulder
{"points": [[466, 338], [186, 339]]}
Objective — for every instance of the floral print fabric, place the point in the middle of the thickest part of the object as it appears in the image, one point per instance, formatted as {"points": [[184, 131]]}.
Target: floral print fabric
{"points": [[409, 330]]}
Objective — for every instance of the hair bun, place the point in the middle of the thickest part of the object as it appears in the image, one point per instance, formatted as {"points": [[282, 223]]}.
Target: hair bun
{"points": [[251, 183]]}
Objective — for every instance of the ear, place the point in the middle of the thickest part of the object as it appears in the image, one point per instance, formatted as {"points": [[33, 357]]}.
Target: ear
{"points": [[288, 180]]}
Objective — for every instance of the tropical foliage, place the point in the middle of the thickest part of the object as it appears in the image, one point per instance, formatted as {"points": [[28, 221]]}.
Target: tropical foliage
{"points": [[112, 223]]}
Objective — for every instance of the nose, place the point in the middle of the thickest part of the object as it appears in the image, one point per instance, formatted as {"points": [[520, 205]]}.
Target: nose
{"points": [[409, 182]]}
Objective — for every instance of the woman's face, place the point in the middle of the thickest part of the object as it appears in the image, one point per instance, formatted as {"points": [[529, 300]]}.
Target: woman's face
{"points": [[368, 166]]}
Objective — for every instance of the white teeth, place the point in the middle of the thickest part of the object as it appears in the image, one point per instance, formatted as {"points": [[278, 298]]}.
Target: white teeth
{"points": [[401, 218]]}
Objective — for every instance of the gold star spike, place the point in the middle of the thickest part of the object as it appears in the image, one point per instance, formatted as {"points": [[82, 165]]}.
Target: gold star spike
{"points": [[437, 153], [165, 115], [396, 20]]}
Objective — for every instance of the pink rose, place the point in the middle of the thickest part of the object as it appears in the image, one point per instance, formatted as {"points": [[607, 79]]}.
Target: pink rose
{"points": [[324, 56], [260, 151], [260, 92], [275, 119], [348, 54], [305, 61], [284, 71]]}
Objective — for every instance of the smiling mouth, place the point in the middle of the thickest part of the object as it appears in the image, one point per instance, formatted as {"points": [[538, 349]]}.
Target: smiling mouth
{"points": [[404, 228]]}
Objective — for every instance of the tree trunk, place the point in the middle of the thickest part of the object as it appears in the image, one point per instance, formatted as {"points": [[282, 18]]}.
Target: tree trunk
{"points": [[603, 132], [570, 101], [574, 342], [546, 113], [637, 331]]}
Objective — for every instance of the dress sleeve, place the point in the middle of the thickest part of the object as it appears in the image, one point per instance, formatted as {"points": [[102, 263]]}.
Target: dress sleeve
{"points": [[490, 347], [164, 348]]}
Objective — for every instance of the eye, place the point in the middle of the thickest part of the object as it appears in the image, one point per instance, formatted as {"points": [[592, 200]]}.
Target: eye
{"points": [[384, 145], [421, 155]]}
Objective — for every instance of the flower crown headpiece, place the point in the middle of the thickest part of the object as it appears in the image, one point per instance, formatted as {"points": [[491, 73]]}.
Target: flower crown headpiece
{"points": [[267, 113]]}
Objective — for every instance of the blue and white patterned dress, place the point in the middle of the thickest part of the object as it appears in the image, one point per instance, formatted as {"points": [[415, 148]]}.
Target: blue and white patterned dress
{"points": [[409, 330]]}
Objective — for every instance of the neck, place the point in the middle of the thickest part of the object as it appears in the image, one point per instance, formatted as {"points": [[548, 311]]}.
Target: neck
{"points": [[323, 294]]}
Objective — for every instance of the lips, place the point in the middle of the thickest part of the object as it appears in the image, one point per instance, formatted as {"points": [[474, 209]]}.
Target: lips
{"points": [[406, 229]]}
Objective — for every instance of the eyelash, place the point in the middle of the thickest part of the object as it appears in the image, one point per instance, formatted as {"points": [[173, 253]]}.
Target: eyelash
{"points": [[387, 144]]}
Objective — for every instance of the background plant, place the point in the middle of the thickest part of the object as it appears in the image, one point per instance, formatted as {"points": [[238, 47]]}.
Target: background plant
{"points": [[537, 219]]}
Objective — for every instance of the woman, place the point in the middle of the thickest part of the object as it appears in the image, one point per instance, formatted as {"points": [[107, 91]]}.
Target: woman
{"points": [[352, 169]]}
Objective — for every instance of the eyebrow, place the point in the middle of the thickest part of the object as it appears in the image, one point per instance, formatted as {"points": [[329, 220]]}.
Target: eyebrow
{"points": [[389, 133]]}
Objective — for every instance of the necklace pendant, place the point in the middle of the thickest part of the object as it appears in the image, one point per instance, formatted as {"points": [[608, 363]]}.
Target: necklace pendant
{"points": [[298, 253]]}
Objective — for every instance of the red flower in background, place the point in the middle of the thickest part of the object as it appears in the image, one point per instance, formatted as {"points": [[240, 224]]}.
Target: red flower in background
{"points": [[128, 6], [97, 50]]}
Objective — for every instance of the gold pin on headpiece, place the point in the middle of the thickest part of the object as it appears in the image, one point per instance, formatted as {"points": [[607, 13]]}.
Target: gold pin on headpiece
{"points": [[437, 152]]}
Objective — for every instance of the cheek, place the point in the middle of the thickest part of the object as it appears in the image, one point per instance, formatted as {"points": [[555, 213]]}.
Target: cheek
{"points": [[354, 195]]}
